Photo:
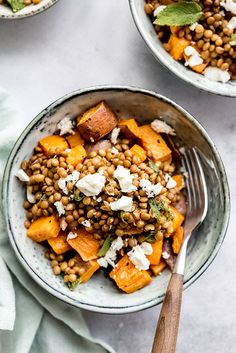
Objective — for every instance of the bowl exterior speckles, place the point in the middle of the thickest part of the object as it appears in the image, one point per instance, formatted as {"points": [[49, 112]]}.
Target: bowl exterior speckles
{"points": [[99, 294], [30, 10], [147, 31]]}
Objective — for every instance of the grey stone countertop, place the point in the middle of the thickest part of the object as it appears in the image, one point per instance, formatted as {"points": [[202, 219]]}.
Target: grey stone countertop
{"points": [[80, 43]]}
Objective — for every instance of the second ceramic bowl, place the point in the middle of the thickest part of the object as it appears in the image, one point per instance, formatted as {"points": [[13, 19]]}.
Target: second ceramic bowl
{"points": [[30, 10], [99, 294]]}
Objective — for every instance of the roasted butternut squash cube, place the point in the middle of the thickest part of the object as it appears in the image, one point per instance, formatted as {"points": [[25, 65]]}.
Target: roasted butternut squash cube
{"points": [[97, 122], [179, 181], [86, 268], [197, 68], [129, 128], [85, 244], [75, 139], [53, 145], [76, 155], [44, 228], [157, 269], [59, 244], [139, 152], [177, 46], [178, 218], [127, 277], [154, 142], [178, 237], [155, 257]]}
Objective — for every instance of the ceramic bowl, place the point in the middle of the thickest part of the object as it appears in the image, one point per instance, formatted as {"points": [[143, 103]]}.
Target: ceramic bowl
{"points": [[27, 11], [146, 29], [99, 294]]}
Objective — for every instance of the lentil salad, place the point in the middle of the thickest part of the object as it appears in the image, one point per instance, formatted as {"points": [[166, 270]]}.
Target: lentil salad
{"points": [[103, 192], [205, 41], [18, 5]]}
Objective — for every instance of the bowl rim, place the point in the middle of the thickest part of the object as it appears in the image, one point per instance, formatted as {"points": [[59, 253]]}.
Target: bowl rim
{"points": [[54, 106], [33, 12], [157, 55]]}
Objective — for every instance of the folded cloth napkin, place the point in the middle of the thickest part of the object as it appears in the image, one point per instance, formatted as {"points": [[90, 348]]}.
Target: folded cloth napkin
{"points": [[31, 320]]}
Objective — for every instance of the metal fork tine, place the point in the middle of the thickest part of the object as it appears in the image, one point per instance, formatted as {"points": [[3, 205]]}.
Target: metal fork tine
{"points": [[189, 182], [187, 185]]}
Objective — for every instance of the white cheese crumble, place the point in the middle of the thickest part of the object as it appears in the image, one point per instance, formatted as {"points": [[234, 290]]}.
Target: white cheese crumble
{"points": [[216, 74], [73, 177], [165, 255], [138, 258], [30, 197], [22, 176], [114, 135], [86, 223], [91, 184], [229, 5], [114, 150], [193, 26], [72, 235], [125, 203], [65, 126], [158, 10], [111, 254], [162, 127], [63, 224], [194, 57], [125, 179], [147, 248], [60, 207], [150, 189], [232, 23], [170, 182]]}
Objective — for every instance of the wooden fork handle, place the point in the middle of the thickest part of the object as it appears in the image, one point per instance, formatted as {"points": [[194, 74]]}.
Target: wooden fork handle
{"points": [[168, 323]]}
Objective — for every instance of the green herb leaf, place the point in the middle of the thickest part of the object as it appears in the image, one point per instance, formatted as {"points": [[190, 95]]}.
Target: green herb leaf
{"points": [[155, 207], [233, 39], [73, 285], [150, 238], [79, 197], [105, 247], [153, 166], [121, 215], [179, 14], [16, 5]]}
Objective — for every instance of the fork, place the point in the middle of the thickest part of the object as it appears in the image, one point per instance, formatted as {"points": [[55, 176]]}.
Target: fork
{"points": [[168, 323]]}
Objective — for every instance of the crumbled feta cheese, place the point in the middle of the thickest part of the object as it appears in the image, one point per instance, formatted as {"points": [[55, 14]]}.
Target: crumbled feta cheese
{"points": [[229, 5], [147, 248], [73, 177], [193, 26], [161, 127], [216, 74], [125, 179], [194, 57], [114, 150], [60, 207], [114, 135], [63, 224], [150, 189], [138, 258], [30, 197], [86, 223], [158, 10], [91, 184], [182, 150], [170, 182], [111, 254], [165, 255], [65, 126], [222, 13], [72, 235], [232, 23], [22, 176], [99, 199], [123, 204]]}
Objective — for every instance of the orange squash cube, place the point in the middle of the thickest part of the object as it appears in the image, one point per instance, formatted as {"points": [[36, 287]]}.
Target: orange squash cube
{"points": [[155, 257], [44, 228], [129, 128], [87, 268], [139, 152], [177, 46], [53, 145], [178, 218], [157, 269], [178, 237], [179, 181], [76, 155], [85, 244], [127, 277], [75, 139], [59, 244]]}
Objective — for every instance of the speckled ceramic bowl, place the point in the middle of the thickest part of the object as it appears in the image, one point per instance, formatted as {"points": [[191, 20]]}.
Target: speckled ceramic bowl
{"points": [[30, 10], [148, 33], [99, 294]]}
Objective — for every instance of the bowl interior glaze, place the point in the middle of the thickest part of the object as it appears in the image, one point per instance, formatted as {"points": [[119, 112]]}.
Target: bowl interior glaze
{"points": [[147, 31], [99, 294]]}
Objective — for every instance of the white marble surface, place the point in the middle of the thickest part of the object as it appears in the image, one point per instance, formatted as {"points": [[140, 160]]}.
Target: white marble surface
{"points": [[80, 43]]}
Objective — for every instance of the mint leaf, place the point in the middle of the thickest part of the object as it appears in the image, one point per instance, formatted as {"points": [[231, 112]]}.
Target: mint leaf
{"points": [[155, 207], [105, 246], [179, 14], [78, 197], [153, 166], [233, 39], [73, 285], [16, 5]]}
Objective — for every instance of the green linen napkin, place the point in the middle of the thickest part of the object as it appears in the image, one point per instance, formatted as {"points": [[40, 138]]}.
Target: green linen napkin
{"points": [[31, 320]]}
